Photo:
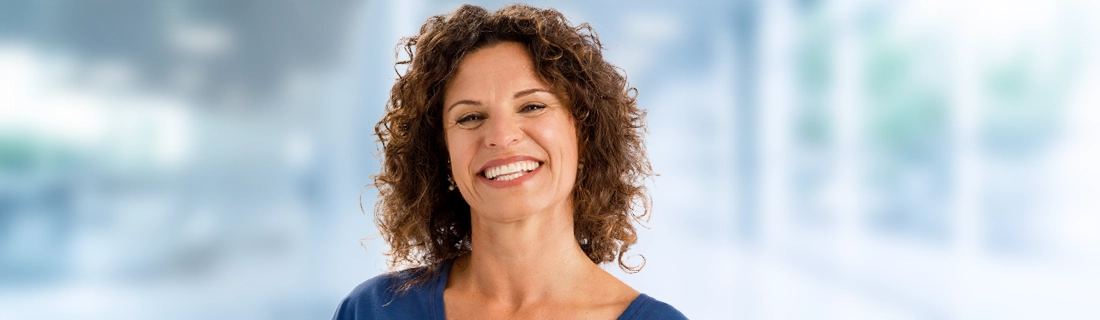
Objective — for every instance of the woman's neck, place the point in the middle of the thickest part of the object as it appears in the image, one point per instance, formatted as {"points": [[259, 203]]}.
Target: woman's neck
{"points": [[517, 262]]}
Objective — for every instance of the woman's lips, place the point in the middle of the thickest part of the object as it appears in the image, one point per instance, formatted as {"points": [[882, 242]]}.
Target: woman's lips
{"points": [[509, 171], [510, 179]]}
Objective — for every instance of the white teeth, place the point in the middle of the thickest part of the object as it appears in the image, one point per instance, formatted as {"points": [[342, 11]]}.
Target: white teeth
{"points": [[510, 171], [510, 176]]}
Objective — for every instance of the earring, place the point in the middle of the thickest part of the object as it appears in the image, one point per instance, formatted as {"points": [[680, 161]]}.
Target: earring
{"points": [[451, 182], [580, 165]]}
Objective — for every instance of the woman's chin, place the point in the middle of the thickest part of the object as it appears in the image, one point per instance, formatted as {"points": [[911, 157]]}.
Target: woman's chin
{"points": [[511, 211], [507, 214]]}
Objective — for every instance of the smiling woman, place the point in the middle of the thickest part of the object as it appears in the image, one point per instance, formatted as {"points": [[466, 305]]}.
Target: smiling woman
{"points": [[513, 160]]}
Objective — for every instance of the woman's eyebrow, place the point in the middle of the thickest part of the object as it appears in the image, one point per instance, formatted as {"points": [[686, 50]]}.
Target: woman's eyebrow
{"points": [[470, 102], [528, 91], [518, 95]]}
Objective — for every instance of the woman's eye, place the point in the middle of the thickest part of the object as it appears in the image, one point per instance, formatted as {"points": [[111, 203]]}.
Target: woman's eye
{"points": [[469, 118], [532, 107]]}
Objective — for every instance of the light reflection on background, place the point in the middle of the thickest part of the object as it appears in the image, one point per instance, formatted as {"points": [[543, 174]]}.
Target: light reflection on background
{"points": [[819, 159]]}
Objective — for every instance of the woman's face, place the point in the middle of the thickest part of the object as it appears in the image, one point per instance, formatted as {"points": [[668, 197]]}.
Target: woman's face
{"points": [[512, 143]]}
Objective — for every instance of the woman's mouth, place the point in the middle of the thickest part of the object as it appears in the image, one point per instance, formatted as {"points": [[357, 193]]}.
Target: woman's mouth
{"points": [[510, 171]]}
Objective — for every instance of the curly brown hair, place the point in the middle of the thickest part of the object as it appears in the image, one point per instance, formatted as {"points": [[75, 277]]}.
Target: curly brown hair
{"points": [[425, 224]]}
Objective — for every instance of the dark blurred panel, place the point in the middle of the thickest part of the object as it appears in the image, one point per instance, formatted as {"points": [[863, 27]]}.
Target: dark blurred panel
{"points": [[212, 51]]}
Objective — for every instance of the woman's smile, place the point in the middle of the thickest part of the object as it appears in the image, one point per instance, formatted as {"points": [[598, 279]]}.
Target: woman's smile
{"points": [[510, 175], [509, 168]]}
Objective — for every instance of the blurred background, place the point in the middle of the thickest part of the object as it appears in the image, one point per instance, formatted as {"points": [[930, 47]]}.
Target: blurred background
{"points": [[844, 159]]}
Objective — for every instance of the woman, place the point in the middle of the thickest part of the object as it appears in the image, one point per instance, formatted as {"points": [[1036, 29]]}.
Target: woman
{"points": [[512, 157]]}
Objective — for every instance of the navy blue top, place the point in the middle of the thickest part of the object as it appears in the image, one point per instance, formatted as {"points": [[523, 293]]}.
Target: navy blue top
{"points": [[376, 299]]}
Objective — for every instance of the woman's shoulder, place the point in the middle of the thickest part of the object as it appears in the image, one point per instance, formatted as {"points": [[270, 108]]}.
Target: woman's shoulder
{"points": [[646, 307], [382, 297]]}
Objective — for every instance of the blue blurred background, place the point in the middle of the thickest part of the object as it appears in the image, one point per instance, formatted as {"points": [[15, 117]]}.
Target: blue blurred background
{"points": [[845, 159]]}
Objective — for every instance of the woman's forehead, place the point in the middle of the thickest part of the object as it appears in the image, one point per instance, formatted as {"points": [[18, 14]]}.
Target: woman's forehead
{"points": [[497, 70], [507, 58]]}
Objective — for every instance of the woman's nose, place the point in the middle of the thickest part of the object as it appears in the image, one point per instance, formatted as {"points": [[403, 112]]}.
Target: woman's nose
{"points": [[503, 132]]}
